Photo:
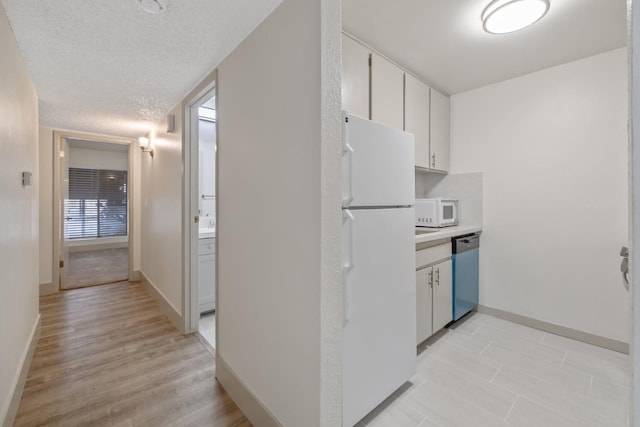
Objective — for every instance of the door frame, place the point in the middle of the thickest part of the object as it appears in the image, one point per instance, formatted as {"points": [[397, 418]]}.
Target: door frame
{"points": [[58, 203], [633, 40], [190, 166]]}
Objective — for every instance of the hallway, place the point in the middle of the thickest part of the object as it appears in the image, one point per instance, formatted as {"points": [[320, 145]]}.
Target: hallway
{"points": [[107, 356]]}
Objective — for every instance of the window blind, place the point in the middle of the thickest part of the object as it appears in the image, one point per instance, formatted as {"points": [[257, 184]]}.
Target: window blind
{"points": [[96, 205]]}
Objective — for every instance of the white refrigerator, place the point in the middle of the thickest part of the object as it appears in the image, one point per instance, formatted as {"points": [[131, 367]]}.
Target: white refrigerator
{"points": [[378, 259]]}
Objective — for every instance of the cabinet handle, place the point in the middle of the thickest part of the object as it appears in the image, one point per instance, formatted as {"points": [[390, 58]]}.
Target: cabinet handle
{"points": [[431, 278], [433, 160], [438, 276]]}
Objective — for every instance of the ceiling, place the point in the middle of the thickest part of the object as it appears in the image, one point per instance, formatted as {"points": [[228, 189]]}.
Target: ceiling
{"points": [[107, 66], [442, 41]]}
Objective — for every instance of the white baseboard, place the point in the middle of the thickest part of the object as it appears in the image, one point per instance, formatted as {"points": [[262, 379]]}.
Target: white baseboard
{"points": [[574, 334], [163, 304], [248, 403], [11, 409], [48, 289], [135, 276]]}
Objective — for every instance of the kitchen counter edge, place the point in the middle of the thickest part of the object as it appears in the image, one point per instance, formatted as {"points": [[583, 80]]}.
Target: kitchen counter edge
{"points": [[448, 232]]}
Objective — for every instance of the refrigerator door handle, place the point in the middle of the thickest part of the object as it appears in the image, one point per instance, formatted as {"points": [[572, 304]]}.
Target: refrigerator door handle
{"points": [[346, 289], [347, 267], [347, 150]]}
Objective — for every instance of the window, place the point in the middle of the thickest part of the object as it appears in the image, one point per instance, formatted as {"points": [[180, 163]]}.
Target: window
{"points": [[97, 204]]}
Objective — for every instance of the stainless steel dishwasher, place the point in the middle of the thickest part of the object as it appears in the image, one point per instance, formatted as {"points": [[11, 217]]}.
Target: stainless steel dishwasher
{"points": [[466, 254]]}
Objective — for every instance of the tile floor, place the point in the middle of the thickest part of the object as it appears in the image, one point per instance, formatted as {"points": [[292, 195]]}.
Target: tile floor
{"points": [[486, 371], [207, 328]]}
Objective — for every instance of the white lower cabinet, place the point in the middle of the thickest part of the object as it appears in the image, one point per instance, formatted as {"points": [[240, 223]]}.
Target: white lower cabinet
{"points": [[434, 290], [424, 303], [442, 295], [206, 275]]}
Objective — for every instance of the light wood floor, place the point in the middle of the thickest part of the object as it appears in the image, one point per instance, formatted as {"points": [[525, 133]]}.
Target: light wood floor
{"points": [[108, 357], [487, 372], [90, 268]]}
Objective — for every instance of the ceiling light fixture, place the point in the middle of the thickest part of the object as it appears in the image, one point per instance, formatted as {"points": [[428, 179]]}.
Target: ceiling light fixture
{"points": [[153, 6], [507, 16]]}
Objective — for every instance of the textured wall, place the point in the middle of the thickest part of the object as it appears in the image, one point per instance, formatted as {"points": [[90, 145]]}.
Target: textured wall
{"points": [[161, 200], [272, 211], [18, 213]]}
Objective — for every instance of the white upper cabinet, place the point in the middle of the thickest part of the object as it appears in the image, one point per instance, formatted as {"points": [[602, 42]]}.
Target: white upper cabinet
{"points": [[440, 133], [416, 117], [377, 89], [355, 78], [387, 92]]}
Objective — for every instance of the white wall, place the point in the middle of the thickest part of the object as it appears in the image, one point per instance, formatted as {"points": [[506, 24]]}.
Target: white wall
{"points": [[91, 158], [270, 210], [552, 147], [45, 166], [466, 187], [18, 213], [161, 224]]}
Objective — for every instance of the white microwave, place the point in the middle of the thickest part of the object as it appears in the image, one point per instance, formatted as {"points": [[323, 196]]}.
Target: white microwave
{"points": [[436, 212]]}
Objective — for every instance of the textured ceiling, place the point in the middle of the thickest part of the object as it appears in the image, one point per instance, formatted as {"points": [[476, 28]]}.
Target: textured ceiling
{"points": [[442, 41], [107, 66]]}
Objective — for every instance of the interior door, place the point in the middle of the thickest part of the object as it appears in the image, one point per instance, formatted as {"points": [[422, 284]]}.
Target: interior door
{"points": [[66, 211]]}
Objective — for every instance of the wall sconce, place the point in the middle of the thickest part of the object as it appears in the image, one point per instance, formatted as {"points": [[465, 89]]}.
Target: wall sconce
{"points": [[145, 145]]}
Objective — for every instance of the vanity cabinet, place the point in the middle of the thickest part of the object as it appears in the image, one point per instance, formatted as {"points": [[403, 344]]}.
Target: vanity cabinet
{"points": [[434, 290], [206, 274]]}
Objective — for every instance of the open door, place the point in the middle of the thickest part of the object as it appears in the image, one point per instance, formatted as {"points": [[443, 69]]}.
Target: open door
{"points": [[65, 214]]}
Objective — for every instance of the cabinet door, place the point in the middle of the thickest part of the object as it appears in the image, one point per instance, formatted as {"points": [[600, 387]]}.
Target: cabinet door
{"points": [[442, 295], [355, 78], [423, 304], [416, 117], [440, 133], [206, 282], [387, 93]]}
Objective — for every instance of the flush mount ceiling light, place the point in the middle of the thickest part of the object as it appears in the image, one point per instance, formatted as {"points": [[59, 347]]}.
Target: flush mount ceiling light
{"points": [[507, 16], [153, 6]]}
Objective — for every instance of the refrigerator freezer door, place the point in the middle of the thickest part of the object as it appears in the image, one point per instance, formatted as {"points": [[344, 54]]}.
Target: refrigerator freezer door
{"points": [[379, 331], [377, 165]]}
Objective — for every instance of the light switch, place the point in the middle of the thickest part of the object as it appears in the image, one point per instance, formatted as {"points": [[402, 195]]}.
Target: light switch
{"points": [[26, 179]]}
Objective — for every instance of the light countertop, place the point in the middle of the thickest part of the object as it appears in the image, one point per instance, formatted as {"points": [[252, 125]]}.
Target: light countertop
{"points": [[446, 232], [206, 233]]}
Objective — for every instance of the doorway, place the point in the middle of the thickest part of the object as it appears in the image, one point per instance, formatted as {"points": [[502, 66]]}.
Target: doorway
{"points": [[200, 231], [207, 219], [92, 215]]}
